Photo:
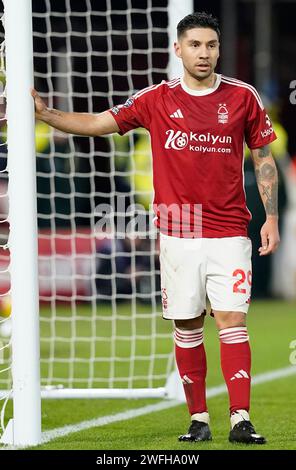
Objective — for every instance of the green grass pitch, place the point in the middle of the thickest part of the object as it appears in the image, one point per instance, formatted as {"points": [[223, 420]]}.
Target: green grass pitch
{"points": [[272, 327]]}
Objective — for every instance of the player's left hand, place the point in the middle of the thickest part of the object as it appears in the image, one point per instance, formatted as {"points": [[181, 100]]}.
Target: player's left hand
{"points": [[270, 237]]}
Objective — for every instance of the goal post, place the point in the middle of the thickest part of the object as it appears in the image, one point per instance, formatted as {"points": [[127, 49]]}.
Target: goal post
{"points": [[25, 428]]}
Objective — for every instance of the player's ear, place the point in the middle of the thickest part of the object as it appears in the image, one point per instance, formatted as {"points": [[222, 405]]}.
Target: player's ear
{"points": [[177, 48], [218, 50]]}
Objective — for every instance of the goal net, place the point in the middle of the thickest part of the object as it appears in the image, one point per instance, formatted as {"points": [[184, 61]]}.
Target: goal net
{"points": [[100, 311]]}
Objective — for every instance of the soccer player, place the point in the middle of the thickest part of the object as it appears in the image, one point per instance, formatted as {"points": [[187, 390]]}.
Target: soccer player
{"points": [[198, 125]]}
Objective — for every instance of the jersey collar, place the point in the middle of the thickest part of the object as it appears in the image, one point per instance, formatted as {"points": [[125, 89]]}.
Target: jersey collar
{"points": [[207, 91]]}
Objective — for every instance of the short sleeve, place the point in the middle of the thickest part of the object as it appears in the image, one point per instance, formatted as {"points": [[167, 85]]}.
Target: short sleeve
{"points": [[135, 112], [258, 129]]}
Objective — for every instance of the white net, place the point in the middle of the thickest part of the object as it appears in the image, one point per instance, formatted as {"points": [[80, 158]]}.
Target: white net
{"points": [[100, 312]]}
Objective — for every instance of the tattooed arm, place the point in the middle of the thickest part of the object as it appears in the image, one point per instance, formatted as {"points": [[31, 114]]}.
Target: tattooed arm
{"points": [[267, 181]]}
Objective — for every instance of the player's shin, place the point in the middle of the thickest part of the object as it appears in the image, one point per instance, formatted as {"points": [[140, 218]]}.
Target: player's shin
{"points": [[192, 366], [236, 366]]}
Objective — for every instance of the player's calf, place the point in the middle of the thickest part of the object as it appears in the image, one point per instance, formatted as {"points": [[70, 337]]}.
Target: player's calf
{"points": [[191, 362]]}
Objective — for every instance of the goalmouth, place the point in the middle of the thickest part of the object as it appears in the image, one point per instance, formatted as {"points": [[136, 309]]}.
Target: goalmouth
{"points": [[99, 324]]}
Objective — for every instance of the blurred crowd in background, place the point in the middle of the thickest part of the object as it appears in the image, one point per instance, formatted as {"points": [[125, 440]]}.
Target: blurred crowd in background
{"points": [[74, 175]]}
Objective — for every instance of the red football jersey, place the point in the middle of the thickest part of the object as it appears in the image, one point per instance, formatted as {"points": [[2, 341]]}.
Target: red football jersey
{"points": [[197, 140]]}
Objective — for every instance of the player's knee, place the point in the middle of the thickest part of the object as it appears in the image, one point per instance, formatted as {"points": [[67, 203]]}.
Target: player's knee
{"points": [[229, 319], [191, 324]]}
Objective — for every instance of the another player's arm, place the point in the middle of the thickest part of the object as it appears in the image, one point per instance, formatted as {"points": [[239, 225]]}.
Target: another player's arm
{"points": [[267, 181], [75, 123]]}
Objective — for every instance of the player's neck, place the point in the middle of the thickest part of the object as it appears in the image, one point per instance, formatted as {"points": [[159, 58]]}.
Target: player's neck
{"points": [[199, 84]]}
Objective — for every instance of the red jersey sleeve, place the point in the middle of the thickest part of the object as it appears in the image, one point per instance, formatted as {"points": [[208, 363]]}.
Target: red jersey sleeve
{"points": [[258, 130], [135, 112]]}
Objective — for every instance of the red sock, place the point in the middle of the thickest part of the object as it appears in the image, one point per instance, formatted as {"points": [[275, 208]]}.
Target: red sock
{"points": [[236, 366], [192, 365]]}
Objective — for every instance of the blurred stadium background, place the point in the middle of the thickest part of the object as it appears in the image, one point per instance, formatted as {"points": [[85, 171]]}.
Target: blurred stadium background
{"points": [[100, 311]]}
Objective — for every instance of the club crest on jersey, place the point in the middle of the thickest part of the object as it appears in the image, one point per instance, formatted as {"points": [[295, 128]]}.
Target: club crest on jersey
{"points": [[222, 114], [164, 297]]}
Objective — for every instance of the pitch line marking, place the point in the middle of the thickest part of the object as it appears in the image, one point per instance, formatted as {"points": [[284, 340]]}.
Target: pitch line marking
{"points": [[63, 431]]}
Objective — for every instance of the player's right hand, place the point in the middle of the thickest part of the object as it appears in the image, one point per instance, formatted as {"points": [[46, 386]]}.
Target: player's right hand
{"points": [[270, 237], [40, 106]]}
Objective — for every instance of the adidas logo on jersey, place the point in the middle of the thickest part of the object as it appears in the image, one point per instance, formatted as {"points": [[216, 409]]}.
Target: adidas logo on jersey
{"points": [[177, 114], [241, 374]]}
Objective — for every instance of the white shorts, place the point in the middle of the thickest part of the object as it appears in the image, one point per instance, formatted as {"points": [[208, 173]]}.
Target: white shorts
{"points": [[192, 268]]}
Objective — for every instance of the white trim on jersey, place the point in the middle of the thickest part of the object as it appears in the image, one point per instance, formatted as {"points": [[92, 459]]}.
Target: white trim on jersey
{"points": [[234, 82], [207, 91], [175, 84], [170, 83], [146, 90], [177, 114]]}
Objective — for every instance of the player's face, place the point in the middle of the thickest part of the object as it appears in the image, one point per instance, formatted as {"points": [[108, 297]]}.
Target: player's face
{"points": [[199, 50]]}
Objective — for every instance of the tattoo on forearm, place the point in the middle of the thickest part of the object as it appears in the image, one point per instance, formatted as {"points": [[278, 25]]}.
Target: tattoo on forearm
{"points": [[271, 205], [266, 176], [266, 172], [264, 151]]}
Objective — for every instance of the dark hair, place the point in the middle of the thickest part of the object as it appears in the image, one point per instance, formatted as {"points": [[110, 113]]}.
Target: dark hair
{"points": [[199, 19]]}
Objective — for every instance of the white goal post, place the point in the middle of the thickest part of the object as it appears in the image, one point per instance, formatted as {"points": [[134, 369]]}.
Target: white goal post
{"points": [[25, 428], [101, 332]]}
